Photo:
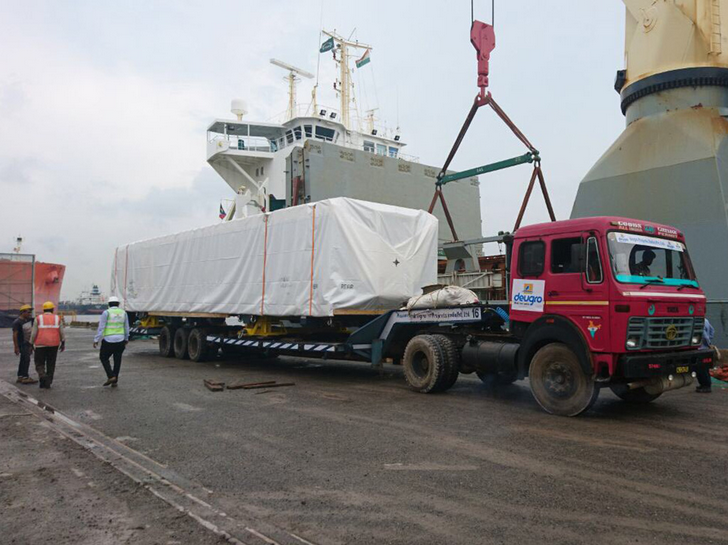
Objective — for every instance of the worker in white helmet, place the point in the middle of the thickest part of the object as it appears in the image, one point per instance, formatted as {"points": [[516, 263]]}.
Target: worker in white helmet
{"points": [[113, 333]]}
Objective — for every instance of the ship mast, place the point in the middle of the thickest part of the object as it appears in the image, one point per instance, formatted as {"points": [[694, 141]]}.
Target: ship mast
{"points": [[345, 92], [292, 79]]}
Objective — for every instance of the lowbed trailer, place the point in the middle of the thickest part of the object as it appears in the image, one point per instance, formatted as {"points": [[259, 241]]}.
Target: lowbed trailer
{"points": [[593, 303]]}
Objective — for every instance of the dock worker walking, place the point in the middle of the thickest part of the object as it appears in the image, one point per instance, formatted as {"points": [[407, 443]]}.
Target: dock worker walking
{"points": [[22, 330], [47, 338], [113, 333]]}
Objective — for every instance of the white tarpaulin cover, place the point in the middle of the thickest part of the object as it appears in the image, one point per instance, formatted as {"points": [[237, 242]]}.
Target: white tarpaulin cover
{"points": [[307, 260]]}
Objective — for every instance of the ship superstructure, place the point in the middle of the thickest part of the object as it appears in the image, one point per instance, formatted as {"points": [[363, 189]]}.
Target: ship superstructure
{"points": [[317, 152]]}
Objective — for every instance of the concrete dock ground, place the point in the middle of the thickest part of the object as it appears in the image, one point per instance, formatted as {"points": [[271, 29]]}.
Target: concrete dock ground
{"points": [[349, 455]]}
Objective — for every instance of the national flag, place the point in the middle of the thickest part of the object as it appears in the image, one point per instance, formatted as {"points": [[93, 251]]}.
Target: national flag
{"points": [[328, 45], [365, 58], [222, 213]]}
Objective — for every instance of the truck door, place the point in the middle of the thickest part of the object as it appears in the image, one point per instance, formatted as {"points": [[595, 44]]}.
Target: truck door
{"points": [[576, 288]]}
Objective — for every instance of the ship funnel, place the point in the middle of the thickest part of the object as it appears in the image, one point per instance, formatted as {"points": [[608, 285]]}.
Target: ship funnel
{"points": [[670, 165], [239, 107]]}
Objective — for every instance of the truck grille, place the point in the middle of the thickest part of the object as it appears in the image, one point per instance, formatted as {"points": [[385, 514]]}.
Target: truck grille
{"points": [[656, 333]]}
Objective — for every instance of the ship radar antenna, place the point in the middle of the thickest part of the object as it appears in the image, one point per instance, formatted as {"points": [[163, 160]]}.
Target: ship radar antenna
{"points": [[292, 80], [239, 108]]}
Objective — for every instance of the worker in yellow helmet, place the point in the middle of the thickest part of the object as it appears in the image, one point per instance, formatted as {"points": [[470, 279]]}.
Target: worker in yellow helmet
{"points": [[22, 328], [47, 338]]}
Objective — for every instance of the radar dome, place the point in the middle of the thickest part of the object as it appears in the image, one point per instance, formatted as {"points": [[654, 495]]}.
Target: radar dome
{"points": [[239, 107]]}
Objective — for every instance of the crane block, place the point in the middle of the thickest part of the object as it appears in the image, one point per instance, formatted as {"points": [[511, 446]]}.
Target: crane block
{"points": [[482, 36]]}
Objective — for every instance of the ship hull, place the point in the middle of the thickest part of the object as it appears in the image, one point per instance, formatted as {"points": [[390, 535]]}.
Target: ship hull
{"points": [[16, 279]]}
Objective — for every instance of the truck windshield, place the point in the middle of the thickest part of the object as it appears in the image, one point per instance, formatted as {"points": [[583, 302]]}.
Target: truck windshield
{"points": [[639, 259]]}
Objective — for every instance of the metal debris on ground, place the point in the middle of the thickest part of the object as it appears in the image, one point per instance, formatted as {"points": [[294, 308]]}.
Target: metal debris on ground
{"points": [[263, 385]]}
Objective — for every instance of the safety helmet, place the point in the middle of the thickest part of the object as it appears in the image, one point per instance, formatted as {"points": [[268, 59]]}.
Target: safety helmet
{"points": [[25, 307], [113, 299], [48, 305]]}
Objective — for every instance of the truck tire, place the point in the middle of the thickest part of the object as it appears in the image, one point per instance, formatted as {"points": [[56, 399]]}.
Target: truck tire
{"points": [[197, 347], [166, 341], [180, 343], [496, 379], [638, 396], [558, 382], [453, 364], [425, 364]]}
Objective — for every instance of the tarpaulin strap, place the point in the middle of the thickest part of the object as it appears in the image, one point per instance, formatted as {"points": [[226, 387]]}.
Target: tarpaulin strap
{"points": [[313, 233], [126, 271], [265, 256]]}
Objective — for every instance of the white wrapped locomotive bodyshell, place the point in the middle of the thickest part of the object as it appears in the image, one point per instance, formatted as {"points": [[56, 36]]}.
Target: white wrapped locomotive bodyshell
{"points": [[308, 260]]}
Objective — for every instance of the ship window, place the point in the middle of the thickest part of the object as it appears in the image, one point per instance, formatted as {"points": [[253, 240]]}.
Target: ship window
{"points": [[273, 145], [289, 136], [308, 130], [297, 133], [324, 133], [241, 143], [393, 152], [262, 171], [256, 172], [381, 149], [369, 146]]}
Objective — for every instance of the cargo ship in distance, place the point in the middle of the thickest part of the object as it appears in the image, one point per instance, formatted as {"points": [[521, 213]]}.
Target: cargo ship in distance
{"points": [[319, 152]]}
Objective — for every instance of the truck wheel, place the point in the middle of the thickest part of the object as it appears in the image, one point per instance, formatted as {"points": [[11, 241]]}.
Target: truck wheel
{"points": [[558, 382], [180, 343], [453, 360], [197, 348], [425, 364], [637, 396], [166, 341], [496, 379]]}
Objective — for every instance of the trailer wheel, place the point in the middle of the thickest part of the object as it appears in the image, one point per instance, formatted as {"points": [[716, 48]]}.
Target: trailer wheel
{"points": [[452, 355], [425, 364], [180, 343], [558, 382], [166, 341], [637, 396], [197, 348]]}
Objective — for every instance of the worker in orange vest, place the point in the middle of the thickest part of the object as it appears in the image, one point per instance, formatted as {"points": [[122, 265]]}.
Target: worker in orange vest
{"points": [[47, 337]]}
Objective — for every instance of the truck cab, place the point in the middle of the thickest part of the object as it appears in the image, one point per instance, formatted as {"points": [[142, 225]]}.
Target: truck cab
{"points": [[604, 301]]}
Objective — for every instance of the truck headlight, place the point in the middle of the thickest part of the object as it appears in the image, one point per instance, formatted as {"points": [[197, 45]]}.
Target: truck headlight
{"points": [[632, 342], [696, 339]]}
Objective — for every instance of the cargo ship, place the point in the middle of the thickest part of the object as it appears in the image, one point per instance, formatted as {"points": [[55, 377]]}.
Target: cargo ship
{"points": [[89, 302], [319, 152], [25, 281]]}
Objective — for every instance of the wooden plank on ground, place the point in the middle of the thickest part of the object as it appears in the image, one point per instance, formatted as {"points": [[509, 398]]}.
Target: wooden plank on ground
{"points": [[239, 385], [274, 385], [214, 385]]}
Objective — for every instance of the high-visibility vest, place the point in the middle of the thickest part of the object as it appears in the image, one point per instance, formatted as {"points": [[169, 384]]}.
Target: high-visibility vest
{"points": [[115, 319], [49, 330]]}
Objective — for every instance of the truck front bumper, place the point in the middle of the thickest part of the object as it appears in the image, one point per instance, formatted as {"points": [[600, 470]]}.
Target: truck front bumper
{"points": [[663, 364]]}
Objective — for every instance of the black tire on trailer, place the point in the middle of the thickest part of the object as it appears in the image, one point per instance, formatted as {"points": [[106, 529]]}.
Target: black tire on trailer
{"points": [[496, 379], [558, 382], [166, 341], [452, 354], [180, 343], [638, 396], [197, 347], [425, 364]]}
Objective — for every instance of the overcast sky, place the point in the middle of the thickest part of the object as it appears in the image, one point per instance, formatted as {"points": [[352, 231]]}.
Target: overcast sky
{"points": [[104, 105]]}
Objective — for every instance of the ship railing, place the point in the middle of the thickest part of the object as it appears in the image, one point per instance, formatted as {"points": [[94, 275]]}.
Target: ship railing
{"points": [[243, 143], [405, 157]]}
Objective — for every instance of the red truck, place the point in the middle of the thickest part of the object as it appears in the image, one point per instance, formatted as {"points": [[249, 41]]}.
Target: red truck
{"points": [[593, 303]]}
